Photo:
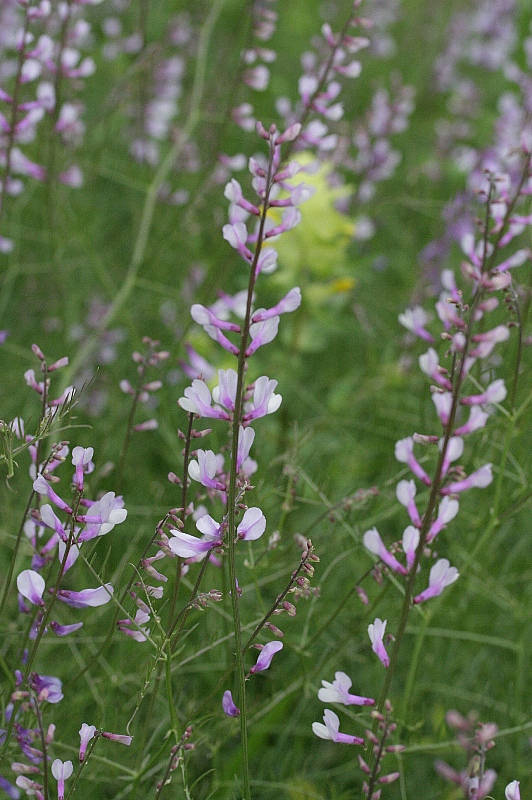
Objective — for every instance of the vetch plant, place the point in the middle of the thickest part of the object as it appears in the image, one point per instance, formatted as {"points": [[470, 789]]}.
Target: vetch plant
{"points": [[158, 556]]}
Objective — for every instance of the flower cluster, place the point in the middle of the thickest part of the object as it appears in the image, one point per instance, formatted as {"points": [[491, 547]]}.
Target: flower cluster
{"points": [[47, 41], [319, 86]]}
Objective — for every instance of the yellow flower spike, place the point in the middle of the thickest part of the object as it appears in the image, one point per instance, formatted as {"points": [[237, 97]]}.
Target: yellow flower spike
{"points": [[318, 243]]}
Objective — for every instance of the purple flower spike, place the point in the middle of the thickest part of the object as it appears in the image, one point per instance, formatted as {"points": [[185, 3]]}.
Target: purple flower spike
{"points": [[253, 524], [229, 706], [61, 770], [31, 585], [330, 730], [376, 634], [86, 733], [440, 576], [338, 692], [265, 656]]}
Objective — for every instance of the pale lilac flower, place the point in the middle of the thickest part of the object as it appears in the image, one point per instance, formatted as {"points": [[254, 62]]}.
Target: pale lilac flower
{"points": [[31, 585], [495, 393], [265, 656], [480, 787], [204, 470], [410, 542], [440, 576], [47, 687], [512, 791], [488, 340], [404, 452], [82, 460], [245, 440], [290, 218], [197, 400], [519, 257], [429, 364], [253, 524], [41, 486], [147, 425], [477, 420], [330, 730], [262, 333], [52, 521], [405, 493], [86, 733], [338, 692], [203, 316], [197, 366], [373, 542], [61, 770], [233, 192], [186, 546], [376, 634], [443, 402], [455, 448], [477, 480], [229, 706], [223, 341], [264, 400], [231, 304], [29, 786], [415, 319], [290, 302], [103, 515], [225, 392], [447, 510], [118, 737], [138, 634], [267, 262], [72, 556], [87, 597], [237, 235], [64, 630], [257, 78], [447, 313]]}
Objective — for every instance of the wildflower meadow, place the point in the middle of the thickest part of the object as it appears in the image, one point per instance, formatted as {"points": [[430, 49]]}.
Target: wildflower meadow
{"points": [[265, 400]]}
